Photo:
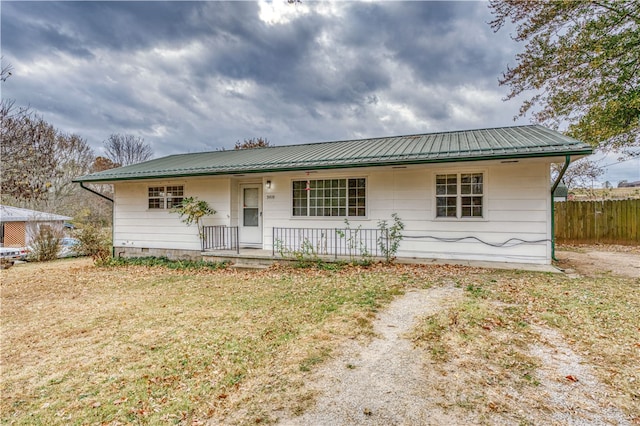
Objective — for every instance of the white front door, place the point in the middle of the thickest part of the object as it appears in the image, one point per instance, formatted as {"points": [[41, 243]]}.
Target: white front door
{"points": [[250, 215]]}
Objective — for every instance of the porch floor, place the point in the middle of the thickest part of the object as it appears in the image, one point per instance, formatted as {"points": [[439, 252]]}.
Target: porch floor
{"points": [[259, 258]]}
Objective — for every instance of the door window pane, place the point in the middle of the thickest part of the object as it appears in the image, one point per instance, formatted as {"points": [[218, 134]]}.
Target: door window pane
{"points": [[251, 197], [250, 216], [250, 211]]}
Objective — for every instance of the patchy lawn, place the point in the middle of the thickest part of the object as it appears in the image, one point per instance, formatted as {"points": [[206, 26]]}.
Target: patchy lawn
{"points": [[82, 344], [527, 348], [119, 345]]}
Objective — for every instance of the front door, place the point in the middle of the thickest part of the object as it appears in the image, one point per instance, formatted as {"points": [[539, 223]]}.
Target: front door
{"points": [[250, 215]]}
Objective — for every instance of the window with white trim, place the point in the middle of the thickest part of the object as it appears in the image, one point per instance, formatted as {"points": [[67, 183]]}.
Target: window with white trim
{"points": [[329, 197], [460, 195], [165, 197]]}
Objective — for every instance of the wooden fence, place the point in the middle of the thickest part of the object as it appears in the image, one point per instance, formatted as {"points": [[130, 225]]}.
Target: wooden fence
{"points": [[607, 222]]}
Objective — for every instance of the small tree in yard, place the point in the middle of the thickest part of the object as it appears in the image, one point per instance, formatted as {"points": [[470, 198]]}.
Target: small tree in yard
{"points": [[192, 210]]}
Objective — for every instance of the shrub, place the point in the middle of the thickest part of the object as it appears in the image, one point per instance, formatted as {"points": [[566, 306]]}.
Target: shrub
{"points": [[95, 242], [165, 262], [46, 245], [192, 210], [389, 242]]}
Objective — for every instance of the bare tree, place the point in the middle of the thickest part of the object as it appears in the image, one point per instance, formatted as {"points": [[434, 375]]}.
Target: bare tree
{"points": [[5, 70], [74, 158], [38, 164], [580, 174], [125, 150], [252, 143], [27, 149]]}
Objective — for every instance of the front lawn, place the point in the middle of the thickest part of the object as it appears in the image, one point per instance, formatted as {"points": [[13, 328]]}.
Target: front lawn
{"points": [[147, 345], [131, 344]]}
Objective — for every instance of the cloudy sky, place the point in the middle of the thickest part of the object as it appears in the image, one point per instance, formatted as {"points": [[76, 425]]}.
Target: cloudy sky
{"points": [[199, 76]]}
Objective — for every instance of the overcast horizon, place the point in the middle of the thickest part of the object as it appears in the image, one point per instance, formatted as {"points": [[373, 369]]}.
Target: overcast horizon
{"points": [[200, 76]]}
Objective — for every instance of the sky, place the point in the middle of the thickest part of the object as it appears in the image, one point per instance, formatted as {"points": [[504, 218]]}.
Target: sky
{"points": [[200, 76]]}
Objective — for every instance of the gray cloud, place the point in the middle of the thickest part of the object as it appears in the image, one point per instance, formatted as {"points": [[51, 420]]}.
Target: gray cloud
{"points": [[194, 76], [215, 72]]}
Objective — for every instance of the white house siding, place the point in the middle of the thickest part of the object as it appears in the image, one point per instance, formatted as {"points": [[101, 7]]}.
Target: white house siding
{"points": [[517, 205], [138, 227]]}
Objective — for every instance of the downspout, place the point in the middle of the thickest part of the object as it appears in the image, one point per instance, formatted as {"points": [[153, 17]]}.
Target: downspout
{"points": [[113, 249], [567, 160], [95, 192]]}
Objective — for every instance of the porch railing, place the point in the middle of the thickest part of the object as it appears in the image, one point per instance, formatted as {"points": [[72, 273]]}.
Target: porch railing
{"points": [[220, 237], [346, 242]]}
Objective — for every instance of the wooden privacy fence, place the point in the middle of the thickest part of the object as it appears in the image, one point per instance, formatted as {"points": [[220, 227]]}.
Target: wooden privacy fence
{"points": [[608, 222]]}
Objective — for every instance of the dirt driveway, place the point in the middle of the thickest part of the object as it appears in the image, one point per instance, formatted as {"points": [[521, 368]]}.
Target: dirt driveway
{"points": [[598, 260]]}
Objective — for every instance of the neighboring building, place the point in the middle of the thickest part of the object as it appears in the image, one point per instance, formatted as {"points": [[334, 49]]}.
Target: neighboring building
{"points": [[465, 195], [625, 184], [561, 193], [19, 226]]}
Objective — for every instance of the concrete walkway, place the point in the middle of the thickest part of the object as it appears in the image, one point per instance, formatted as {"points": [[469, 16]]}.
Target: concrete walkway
{"points": [[258, 257]]}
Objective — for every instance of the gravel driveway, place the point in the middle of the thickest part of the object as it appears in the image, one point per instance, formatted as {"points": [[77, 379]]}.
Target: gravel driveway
{"points": [[381, 383], [386, 381]]}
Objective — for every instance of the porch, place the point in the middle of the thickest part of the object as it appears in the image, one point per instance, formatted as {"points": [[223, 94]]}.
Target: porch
{"points": [[249, 258], [221, 244], [329, 243]]}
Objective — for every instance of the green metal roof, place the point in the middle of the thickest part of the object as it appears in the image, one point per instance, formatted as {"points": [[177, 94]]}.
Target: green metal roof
{"points": [[468, 145]]}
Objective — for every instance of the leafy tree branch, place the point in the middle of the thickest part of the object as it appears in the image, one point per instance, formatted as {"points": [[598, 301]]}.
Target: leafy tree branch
{"points": [[192, 210], [581, 60]]}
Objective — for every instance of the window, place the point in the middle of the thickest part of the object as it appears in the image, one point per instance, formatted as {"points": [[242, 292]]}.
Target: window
{"points": [[329, 197], [459, 195], [165, 197]]}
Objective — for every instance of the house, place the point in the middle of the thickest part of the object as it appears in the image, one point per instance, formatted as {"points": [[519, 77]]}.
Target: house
{"points": [[464, 195], [18, 227]]}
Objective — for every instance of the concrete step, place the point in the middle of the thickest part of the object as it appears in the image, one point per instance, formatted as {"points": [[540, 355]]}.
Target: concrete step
{"points": [[249, 266]]}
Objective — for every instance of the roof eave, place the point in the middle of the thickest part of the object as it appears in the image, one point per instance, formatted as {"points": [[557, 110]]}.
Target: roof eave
{"points": [[311, 166]]}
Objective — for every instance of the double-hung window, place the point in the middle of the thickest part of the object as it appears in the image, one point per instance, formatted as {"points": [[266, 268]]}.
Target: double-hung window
{"points": [[165, 197], [329, 197], [460, 195]]}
